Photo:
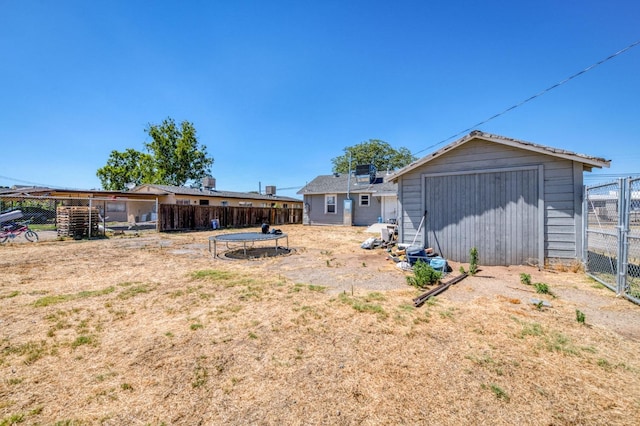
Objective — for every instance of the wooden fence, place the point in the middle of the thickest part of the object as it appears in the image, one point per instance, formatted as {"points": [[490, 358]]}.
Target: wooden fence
{"points": [[174, 217]]}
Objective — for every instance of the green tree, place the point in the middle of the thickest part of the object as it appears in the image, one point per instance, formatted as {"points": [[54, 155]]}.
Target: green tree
{"points": [[177, 155], [376, 152], [173, 157], [126, 167]]}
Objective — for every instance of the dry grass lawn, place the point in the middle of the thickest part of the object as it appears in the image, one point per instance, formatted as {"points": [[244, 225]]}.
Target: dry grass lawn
{"points": [[150, 329]]}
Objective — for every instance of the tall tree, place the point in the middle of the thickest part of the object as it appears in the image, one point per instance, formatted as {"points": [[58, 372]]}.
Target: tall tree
{"points": [[173, 157], [374, 151], [123, 168], [177, 155]]}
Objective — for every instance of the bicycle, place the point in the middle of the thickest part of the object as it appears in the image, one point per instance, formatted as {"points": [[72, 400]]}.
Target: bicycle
{"points": [[11, 230]]}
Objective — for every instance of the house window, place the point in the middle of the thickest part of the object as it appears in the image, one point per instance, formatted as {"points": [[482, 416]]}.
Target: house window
{"points": [[117, 206], [182, 201], [330, 203], [364, 199], [245, 204], [224, 203], [204, 202]]}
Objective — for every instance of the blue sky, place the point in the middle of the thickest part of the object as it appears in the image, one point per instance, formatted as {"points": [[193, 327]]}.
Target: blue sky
{"points": [[276, 89]]}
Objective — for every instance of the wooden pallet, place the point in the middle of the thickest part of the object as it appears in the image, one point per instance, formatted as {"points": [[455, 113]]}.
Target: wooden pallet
{"points": [[77, 221]]}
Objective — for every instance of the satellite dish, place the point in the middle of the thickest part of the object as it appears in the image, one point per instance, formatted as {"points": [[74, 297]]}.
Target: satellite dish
{"points": [[130, 185]]}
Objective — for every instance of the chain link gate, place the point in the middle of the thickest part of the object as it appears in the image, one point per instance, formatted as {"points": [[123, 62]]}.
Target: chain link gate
{"points": [[612, 236], [632, 285]]}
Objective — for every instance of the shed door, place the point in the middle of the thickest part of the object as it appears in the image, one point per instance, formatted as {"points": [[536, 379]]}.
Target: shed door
{"points": [[496, 212]]}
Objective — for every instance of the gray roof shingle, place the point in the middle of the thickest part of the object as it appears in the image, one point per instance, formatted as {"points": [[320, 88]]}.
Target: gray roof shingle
{"points": [[338, 183], [477, 134]]}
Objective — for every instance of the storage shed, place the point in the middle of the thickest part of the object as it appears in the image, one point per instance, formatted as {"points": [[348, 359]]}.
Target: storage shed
{"points": [[516, 202]]}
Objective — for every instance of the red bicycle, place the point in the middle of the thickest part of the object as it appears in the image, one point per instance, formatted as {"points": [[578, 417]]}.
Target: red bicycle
{"points": [[10, 230]]}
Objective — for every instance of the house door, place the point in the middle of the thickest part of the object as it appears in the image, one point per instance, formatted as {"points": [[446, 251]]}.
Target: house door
{"points": [[496, 212], [389, 208]]}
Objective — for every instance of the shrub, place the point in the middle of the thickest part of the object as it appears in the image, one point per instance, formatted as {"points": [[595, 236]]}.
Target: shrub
{"points": [[423, 275], [542, 288], [525, 279], [473, 261]]}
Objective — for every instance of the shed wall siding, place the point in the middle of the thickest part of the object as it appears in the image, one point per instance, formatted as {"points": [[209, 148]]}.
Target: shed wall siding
{"points": [[559, 188]]}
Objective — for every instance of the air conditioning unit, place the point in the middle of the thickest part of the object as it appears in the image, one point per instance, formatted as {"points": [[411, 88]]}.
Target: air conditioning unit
{"points": [[208, 182], [365, 169], [270, 190], [365, 173]]}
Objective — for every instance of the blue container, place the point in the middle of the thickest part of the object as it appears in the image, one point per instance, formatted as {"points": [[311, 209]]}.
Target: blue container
{"points": [[215, 224], [415, 253], [437, 263]]}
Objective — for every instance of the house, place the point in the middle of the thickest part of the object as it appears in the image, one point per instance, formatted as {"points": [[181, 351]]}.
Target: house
{"points": [[516, 202], [372, 199], [140, 204], [169, 194]]}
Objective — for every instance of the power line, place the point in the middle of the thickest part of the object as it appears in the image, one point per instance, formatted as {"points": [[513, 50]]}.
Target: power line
{"points": [[548, 89], [28, 182]]}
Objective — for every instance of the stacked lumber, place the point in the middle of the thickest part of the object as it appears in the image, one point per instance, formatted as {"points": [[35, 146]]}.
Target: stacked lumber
{"points": [[77, 221]]}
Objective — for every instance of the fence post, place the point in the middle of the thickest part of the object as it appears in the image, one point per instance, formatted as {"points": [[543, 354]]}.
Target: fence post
{"points": [[620, 260], [90, 205], [624, 228], [585, 226]]}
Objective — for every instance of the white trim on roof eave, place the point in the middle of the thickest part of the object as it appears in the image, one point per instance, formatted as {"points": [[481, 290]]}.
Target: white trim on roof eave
{"points": [[325, 192], [548, 151]]}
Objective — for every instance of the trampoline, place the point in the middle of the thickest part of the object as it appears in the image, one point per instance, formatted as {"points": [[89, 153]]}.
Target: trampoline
{"points": [[245, 238]]}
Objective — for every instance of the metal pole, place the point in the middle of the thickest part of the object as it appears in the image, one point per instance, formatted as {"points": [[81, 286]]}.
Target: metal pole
{"points": [[619, 260], [624, 218], [90, 204], [585, 225], [349, 178]]}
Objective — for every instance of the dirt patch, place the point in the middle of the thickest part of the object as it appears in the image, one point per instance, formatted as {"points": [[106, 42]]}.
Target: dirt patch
{"points": [[151, 329], [255, 253], [569, 291]]}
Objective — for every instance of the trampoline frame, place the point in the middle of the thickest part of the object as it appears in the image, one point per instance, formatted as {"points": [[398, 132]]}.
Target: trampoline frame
{"points": [[244, 238]]}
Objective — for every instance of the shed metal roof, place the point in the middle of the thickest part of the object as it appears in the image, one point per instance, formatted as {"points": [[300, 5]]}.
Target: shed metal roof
{"points": [[588, 161]]}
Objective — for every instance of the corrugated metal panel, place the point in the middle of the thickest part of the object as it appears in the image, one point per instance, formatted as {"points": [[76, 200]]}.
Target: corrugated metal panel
{"points": [[496, 212]]}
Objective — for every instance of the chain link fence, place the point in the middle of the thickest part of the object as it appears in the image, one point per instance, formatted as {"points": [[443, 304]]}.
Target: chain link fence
{"points": [[612, 236], [86, 217], [78, 217], [632, 285]]}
